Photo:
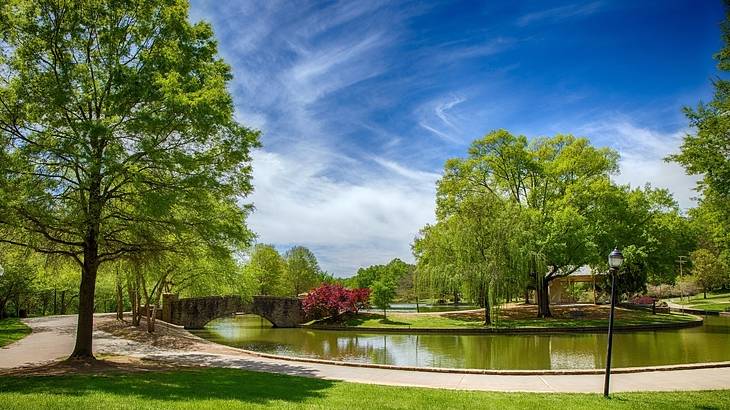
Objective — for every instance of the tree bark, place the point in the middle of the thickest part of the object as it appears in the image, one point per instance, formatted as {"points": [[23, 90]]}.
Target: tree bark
{"points": [[543, 298], [487, 310], [120, 298], [83, 349], [133, 300], [63, 302], [90, 267]]}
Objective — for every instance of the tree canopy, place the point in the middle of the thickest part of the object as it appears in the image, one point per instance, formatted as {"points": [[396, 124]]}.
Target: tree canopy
{"points": [[518, 213], [302, 270], [117, 136], [705, 151]]}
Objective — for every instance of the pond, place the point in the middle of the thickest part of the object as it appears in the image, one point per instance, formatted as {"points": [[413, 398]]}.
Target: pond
{"points": [[708, 343]]}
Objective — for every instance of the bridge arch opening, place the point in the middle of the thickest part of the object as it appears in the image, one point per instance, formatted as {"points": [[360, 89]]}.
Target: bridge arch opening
{"points": [[195, 313]]}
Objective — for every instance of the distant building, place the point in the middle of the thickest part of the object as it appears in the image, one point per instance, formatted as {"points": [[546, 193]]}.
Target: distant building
{"points": [[559, 289]]}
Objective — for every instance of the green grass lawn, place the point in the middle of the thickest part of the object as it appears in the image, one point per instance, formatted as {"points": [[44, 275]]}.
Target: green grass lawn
{"points": [[461, 321], [716, 302], [12, 329], [232, 389]]}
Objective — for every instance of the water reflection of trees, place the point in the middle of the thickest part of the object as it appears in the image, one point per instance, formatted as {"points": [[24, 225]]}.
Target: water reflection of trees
{"points": [[480, 351]]}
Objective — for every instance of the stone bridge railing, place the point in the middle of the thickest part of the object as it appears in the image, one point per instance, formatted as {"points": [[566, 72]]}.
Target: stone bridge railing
{"points": [[194, 313]]}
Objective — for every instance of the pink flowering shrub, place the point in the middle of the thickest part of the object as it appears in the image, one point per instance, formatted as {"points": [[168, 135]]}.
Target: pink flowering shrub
{"points": [[643, 300], [333, 300]]}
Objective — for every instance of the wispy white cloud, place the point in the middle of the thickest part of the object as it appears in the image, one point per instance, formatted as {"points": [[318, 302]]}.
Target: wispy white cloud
{"points": [[358, 222], [557, 14], [436, 117], [358, 107], [442, 109], [326, 68], [288, 62], [642, 153]]}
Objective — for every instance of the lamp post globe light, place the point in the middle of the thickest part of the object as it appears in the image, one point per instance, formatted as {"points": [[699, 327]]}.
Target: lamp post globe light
{"points": [[615, 259]]}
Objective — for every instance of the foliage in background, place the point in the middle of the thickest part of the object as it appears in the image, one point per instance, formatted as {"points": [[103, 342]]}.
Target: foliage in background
{"points": [[20, 270], [302, 271], [265, 270], [396, 270], [709, 270], [383, 293]]}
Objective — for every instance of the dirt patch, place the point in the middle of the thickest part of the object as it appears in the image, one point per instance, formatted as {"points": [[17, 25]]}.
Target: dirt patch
{"points": [[163, 336]]}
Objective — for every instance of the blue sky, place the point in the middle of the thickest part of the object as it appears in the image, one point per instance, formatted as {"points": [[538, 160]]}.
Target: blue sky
{"points": [[361, 102]]}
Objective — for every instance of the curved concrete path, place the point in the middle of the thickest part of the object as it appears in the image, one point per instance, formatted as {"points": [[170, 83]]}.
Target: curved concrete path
{"points": [[52, 338]]}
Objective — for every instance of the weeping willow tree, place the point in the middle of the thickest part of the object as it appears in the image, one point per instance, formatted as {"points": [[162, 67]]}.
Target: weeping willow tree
{"points": [[474, 246]]}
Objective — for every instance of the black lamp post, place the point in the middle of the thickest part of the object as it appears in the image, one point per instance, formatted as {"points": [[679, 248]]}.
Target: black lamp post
{"points": [[615, 259]]}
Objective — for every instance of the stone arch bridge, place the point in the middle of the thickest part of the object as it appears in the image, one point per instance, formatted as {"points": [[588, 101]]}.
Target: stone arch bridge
{"points": [[194, 313]]}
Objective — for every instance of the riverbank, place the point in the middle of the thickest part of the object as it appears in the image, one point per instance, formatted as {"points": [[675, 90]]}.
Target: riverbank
{"points": [[516, 319], [232, 388]]}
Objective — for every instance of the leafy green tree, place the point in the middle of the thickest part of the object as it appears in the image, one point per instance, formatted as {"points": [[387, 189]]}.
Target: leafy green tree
{"points": [[647, 224], [266, 269], [302, 270], [365, 277], [706, 152], [20, 269], [540, 179], [474, 245], [117, 136], [709, 270], [396, 270], [518, 213], [383, 293], [711, 221]]}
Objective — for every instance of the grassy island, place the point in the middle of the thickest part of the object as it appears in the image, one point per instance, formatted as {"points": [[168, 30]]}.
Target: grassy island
{"points": [[520, 316]]}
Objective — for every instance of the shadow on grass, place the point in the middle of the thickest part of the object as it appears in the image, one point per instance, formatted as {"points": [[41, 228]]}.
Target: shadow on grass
{"points": [[356, 320], [360, 318], [386, 321], [178, 386]]}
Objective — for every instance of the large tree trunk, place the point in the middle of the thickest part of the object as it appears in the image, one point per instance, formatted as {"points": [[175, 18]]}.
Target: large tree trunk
{"points": [[487, 310], [149, 309], [120, 298], [543, 298], [85, 328], [63, 302], [89, 269]]}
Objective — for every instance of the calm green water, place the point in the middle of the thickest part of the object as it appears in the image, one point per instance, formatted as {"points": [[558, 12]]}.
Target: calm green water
{"points": [[708, 343]]}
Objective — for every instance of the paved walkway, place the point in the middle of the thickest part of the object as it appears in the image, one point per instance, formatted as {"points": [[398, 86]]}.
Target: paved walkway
{"points": [[52, 338]]}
